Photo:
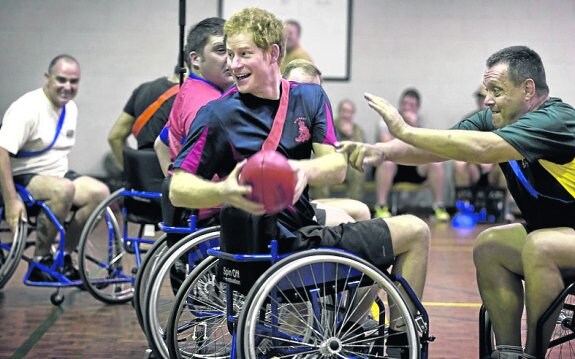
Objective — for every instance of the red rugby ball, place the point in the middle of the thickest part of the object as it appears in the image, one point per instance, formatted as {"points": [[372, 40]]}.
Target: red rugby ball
{"points": [[272, 180]]}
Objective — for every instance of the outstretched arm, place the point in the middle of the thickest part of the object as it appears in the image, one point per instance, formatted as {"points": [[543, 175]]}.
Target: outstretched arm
{"points": [[468, 146], [362, 155]]}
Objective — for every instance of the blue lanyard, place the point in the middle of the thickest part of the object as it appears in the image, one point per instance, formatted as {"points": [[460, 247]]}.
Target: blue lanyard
{"points": [[58, 129], [532, 191]]}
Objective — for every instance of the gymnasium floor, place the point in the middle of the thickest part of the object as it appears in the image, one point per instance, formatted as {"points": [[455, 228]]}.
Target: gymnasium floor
{"points": [[83, 327]]}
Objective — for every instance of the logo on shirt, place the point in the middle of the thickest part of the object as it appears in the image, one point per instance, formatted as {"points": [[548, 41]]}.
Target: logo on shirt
{"points": [[302, 129]]}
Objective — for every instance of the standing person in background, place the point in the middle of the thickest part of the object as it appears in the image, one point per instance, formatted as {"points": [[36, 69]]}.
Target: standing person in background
{"points": [[294, 50], [532, 137], [144, 115], [38, 131], [388, 173]]}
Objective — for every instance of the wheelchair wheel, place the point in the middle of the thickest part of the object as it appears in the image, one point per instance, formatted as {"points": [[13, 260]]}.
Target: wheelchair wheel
{"points": [[562, 343], [147, 266], [166, 279], [12, 246], [106, 260], [197, 325], [332, 282]]}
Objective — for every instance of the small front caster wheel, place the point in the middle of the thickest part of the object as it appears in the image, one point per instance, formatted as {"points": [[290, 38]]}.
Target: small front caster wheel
{"points": [[57, 298]]}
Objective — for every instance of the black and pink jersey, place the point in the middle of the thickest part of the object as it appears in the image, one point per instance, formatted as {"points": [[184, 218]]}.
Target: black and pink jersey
{"points": [[234, 127]]}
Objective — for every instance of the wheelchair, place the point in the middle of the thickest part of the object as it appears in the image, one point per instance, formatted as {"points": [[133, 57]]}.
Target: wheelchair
{"points": [[13, 245], [157, 295], [562, 344], [122, 229], [299, 307]]}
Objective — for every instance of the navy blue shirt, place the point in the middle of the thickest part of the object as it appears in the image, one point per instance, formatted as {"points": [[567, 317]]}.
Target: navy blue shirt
{"points": [[235, 126]]}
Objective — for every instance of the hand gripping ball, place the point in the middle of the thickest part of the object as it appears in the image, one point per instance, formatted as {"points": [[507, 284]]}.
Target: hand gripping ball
{"points": [[272, 180]]}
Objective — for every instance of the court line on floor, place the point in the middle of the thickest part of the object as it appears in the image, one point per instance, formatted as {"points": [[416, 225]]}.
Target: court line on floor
{"points": [[451, 304], [35, 337]]}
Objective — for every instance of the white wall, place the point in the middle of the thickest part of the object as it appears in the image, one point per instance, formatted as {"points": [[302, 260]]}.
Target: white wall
{"points": [[438, 46]]}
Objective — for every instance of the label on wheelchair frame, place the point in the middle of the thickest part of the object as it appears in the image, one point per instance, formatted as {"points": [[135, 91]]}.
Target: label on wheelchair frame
{"points": [[149, 230], [231, 275]]}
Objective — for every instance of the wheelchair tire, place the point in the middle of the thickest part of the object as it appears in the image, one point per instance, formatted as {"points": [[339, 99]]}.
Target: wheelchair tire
{"points": [[562, 344], [12, 246], [267, 327], [148, 265], [160, 294], [104, 260], [197, 325]]}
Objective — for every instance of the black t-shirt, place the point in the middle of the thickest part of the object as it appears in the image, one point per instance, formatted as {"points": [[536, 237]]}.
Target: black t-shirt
{"points": [[142, 97]]}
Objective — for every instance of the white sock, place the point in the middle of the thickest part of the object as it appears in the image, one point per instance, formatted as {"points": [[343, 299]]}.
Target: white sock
{"points": [[507, 352]]}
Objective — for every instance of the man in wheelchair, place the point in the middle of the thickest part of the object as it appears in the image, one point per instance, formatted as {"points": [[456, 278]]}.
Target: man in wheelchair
{"points": [[532, 138], [230, 129], [38, 131]]}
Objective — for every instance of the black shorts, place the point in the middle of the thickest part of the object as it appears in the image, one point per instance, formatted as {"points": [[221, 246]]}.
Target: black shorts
{"points": [[483, 180], [408, 174], [320, 216], [370, 240], [24, 179]]}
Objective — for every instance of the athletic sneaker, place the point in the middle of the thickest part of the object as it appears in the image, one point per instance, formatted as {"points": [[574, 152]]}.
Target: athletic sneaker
{"points": [[440, 214], [38, 275], [382, 212], [68, 269]]}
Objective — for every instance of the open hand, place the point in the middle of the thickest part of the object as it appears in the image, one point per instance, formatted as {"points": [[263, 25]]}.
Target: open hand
{"points": [[395, 123]]}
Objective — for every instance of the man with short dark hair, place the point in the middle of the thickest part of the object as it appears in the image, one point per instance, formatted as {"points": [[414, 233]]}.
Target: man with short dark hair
{"points": [[209, 76], [532, 138]]}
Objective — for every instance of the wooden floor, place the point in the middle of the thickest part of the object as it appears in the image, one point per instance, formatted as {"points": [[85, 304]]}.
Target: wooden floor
{"points": [[86, 328]]}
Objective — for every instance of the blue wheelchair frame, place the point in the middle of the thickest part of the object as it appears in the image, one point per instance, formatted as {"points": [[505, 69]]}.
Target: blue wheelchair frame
{"points": [[421, 321], [148, 305], [132, 245], [33, 208]]}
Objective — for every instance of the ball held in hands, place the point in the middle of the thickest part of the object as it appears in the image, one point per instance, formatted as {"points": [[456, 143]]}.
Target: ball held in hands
{"points": [[272, 180]]}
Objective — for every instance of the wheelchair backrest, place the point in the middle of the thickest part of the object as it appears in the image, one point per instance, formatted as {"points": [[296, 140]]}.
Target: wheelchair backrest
{"points": [[142, 171], [245, 234]]}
